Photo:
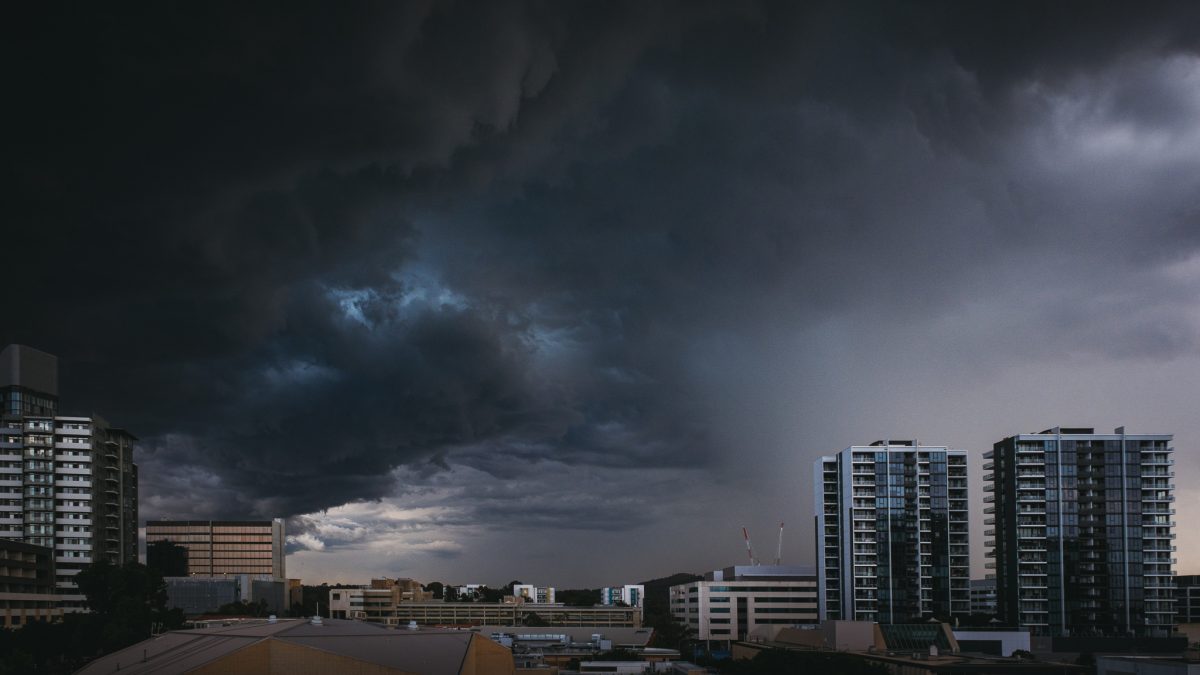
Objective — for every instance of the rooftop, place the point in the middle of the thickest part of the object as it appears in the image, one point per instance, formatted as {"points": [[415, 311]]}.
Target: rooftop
{"points": [[331, 645]]}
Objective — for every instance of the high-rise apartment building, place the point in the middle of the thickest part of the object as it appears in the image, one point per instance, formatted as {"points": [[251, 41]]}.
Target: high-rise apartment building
{"points": [[217, 547], [1080, 531], [28, 382], [66, 483], [891, 529]]}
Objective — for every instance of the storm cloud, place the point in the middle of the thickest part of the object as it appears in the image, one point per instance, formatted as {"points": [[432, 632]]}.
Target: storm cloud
{"points": [[428, 276]]}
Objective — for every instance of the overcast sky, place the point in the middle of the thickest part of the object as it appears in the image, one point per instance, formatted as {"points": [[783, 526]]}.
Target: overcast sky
{"points": [[570, 292]]}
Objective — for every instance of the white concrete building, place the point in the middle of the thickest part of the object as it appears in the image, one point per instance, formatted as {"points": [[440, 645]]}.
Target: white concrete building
{"points": [[531, 593], [731, 603], [66, 483], [631, 595]]}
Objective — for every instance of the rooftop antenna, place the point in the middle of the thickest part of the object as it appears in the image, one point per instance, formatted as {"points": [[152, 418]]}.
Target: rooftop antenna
{"points": [[749, 550], [779, 551]]}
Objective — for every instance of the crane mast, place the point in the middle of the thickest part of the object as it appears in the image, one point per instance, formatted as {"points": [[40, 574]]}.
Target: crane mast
{"points": [[749, 549]]}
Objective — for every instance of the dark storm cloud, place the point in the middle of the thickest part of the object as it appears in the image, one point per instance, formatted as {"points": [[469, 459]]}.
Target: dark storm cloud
{"points": [[297, 250]]}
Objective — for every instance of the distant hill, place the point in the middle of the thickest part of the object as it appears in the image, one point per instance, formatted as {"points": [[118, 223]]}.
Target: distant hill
{"points": [[658, 590]]}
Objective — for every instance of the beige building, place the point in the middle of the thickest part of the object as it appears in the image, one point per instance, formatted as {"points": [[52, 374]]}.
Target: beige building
{"points": [[299, 647], [216, 547]]}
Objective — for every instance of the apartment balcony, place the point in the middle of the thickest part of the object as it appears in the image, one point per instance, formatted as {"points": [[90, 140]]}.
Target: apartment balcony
{"points": [[73, 521]]}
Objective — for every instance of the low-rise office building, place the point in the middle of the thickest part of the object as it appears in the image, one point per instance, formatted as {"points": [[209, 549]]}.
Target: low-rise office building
{"points": [[356, 603], [377, 601], [197, 594], [730, 604]]}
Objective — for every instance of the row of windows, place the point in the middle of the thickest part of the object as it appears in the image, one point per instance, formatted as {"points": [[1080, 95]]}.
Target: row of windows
{"points": [[809, 588]]}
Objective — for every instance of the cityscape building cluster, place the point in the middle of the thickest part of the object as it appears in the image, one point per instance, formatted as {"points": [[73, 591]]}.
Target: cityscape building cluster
{"points": [[1079, 530]]}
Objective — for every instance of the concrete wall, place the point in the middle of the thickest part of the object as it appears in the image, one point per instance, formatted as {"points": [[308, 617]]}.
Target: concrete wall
{"points": [[1010, 640], [1124, 665], [849, 635]]}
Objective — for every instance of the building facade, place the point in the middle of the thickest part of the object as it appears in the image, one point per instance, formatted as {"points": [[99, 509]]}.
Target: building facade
{"points": [[377, 606], [1187, 599], [983, 596], [216, 547], [630, 595], [531, 593], [207, 594], [730, 604], [66, 483], [1080, 530], [891, 530], [27, 585]]}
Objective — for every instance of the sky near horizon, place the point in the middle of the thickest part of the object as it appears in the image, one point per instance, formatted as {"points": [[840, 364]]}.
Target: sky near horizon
{"points": [[571, 292]]}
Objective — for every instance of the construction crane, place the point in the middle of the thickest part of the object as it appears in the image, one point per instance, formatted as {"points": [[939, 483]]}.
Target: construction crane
{"points": [[749, 549], [779, 551]]}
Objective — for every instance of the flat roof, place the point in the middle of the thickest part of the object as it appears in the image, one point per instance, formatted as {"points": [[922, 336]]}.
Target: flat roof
{"points": [[430, 651]]}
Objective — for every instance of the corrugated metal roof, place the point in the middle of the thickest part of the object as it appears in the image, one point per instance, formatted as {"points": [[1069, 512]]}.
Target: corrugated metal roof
{"points": [[417, 651], [435, 652], [169, 653], [619, 635]]}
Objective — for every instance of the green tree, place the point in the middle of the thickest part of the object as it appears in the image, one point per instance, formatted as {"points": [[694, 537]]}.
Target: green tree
{"points": [[127, 603], [581, 597], [535, 619], [131, 600], [167, 558], [239, 608]]}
